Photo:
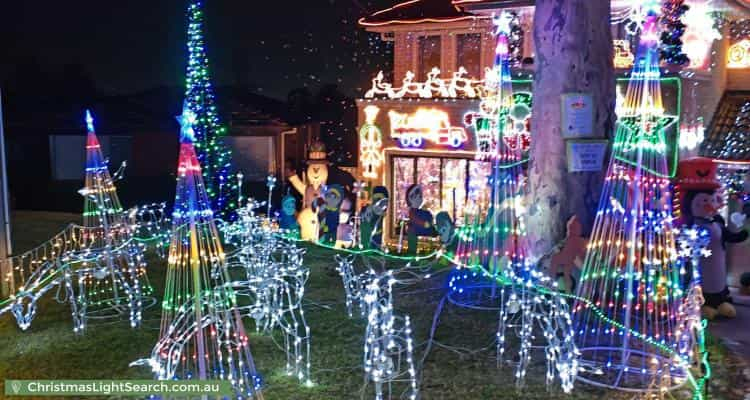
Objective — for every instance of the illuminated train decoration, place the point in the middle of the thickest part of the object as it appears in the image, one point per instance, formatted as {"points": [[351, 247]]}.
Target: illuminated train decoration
{"points": [[426, 124]]}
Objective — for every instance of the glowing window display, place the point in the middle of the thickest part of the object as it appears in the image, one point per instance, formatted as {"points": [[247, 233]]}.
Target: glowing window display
{"points": [[429, 176], [442, 180], [454, 188], [403, 177]]}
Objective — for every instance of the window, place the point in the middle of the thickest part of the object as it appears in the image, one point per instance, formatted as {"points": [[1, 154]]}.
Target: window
{"points": [[469, 50], [428, 57], [455, 185]]}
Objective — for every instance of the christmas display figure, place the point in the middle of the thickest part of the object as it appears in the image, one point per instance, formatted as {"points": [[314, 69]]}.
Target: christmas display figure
{"points": [[565, 264], [445, 230], [345, 230], [700, 204], [288, 217], [202, 336], [213, 155], [310, 187], [631, 285], [333, 195], [371, 226], [420, 220]]}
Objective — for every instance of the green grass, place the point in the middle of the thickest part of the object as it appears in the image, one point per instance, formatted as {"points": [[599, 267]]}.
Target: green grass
{"points": [[50, 350]]}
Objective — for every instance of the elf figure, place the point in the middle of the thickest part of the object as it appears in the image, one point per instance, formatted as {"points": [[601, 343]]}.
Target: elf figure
{"points": [[344, 232], [288, 218], [333, 196], [420, 220], [700, 205]]}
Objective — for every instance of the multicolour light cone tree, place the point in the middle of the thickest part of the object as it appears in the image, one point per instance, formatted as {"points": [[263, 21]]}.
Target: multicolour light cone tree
{"points": [[101, 205], [202, 336], [120, 278], [493, 237], [492, 251], [630, 291], [214, 157]]}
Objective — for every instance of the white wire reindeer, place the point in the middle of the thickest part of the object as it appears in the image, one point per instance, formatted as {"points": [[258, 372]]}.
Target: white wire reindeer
{"points": [[274, 285], [352, 283], [388, 348], [528, 311]]}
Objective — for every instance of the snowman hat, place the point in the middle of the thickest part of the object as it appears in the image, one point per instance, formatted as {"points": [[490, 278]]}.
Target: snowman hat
{"points": [[316, 154], [697, 173]]}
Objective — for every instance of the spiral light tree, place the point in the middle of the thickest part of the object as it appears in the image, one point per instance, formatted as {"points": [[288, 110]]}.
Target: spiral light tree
{"points": [[202, 336], [627, 315]]}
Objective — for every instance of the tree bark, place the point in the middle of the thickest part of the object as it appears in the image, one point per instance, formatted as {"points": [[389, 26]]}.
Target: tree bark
{"points": [[573, 53]]}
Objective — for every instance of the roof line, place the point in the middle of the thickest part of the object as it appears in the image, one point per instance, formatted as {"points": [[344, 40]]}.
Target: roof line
{"points": [[362, 22]]}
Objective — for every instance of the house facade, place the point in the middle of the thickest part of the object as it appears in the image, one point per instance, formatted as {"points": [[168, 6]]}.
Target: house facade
{"points": [[414, 121]]}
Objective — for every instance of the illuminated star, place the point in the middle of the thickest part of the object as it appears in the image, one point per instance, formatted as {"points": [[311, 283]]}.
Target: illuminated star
{"points": [[502, 23], [186, 121], [89, 121]]}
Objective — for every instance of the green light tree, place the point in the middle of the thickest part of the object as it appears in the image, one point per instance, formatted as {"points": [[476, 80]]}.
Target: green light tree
{"points": [[215, 158]]}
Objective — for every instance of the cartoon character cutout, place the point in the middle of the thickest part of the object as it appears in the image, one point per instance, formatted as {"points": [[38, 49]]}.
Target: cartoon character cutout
{"points": [[345, 230], [333, 195], [420, 220], [288, 217], [701, 202], [565, 265], [371, 227], [446, 231]]}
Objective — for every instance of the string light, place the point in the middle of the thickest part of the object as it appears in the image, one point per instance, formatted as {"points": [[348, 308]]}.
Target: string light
{"points": [[99, 268], [629, 276], [274, 285], [201, 335], [388, 345], [213, 156]]}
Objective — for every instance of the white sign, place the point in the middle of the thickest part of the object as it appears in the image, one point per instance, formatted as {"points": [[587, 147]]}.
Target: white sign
{"points": [[586, 155], [577, 115]]}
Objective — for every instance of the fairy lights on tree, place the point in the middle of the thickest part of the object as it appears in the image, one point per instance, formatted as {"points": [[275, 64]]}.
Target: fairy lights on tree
{"points": [[213, 156], [202, 335], [626, 312]]}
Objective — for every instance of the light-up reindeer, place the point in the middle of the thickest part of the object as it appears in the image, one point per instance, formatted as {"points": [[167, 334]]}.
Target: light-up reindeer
{"points": [[275, 285], [388, 352]]}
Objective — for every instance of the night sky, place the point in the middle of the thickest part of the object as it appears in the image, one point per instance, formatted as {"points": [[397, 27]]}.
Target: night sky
{"points": [[129, 46]]}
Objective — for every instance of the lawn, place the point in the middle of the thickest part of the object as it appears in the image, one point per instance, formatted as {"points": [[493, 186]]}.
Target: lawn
{"points": [[457, 369]]}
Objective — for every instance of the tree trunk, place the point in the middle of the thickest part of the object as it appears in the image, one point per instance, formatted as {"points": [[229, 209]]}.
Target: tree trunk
{"points": [[573, 53]]}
